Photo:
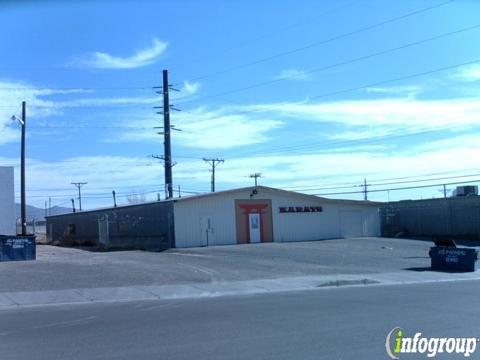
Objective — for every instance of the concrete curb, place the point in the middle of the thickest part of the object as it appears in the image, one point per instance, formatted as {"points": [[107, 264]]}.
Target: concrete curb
{"points": [[9, 300]]}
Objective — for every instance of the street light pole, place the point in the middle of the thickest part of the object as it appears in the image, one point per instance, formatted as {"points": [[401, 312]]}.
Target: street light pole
{"points": [[22, 173], [23, 201]]}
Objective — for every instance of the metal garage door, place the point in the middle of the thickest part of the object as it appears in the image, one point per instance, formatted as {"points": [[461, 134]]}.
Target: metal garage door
{"points": [[351, 223]]}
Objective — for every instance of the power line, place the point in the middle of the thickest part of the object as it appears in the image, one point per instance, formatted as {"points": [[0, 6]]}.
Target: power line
{"points": [[338, 64], [365, 186], [406, 77], [326, 41], [77, 89], [383, 82], [375, 182], [401, 188], [373, 84], [284, 28], [337, 144]]}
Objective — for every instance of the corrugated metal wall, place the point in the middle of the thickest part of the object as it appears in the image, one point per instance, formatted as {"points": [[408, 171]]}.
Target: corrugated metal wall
{"points": [[456, 217], [190, 223], [144, 226]]}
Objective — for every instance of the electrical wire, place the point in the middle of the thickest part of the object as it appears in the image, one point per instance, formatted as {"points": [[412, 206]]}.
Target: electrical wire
{"points": [[335, 65], [326, 41], [401, 188]]}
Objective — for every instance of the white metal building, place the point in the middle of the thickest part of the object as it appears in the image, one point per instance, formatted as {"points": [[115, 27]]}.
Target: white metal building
{"points": [[7, 201], [238, 216], [263, 214]]}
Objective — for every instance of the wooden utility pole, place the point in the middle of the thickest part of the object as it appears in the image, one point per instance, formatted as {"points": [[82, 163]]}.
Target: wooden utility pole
{"points": [[255, 176], [365, 189], [213, 163], [79, 186]]}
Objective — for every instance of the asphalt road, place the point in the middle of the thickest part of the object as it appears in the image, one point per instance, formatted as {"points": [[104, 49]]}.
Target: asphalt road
{"points": [[343, 323]]}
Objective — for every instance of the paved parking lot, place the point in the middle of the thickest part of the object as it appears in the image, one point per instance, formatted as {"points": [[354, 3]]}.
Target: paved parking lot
{"points": [[64, 268]]}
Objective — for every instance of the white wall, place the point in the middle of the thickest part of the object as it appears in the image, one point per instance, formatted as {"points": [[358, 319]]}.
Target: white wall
{"points": [[188, 214], [7, 201], [317, 225], [286, 226]]}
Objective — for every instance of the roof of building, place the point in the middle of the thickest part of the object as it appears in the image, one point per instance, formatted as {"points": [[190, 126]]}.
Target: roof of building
{"points": [[233, 191], [278, 191]]}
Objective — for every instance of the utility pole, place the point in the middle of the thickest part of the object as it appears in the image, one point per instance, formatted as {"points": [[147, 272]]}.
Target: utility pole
{"points": [[167, 128], [23, 201], [365, 189], [46, 211], [22, 174], [73, 204], [179, 192], [161, 157], [49, 205], [114, 198], [444, 191], [255, 176], [167, 143], [79, 186], [213, 163]]}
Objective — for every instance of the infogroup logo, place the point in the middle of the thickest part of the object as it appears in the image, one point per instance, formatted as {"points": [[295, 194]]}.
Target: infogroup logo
{"points": [[397, 343]]}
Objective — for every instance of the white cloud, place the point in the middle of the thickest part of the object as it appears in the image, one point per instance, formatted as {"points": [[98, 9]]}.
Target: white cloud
{"points": [[384, 112], [293, 74], [203, 129], [122, 173], [409, 91], [12, 94], [234, 126], [190, 88], [139, 100], [468, 73], [231, 127], [103, 60]]}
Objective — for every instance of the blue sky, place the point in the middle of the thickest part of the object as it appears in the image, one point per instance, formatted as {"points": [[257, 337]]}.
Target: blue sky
{"points": [[299, 91]]}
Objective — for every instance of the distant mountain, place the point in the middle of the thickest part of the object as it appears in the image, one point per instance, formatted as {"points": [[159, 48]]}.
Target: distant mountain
{"points": [[39, 214]]}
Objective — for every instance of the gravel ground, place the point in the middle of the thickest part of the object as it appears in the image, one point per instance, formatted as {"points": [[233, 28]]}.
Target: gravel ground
{"points": [[65, 268]]}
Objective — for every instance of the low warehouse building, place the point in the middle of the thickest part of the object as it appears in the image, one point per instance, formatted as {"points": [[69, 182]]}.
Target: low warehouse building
{"points": [[246, 215]]}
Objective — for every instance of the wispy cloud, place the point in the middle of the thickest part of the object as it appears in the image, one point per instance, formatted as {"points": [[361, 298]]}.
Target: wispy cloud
{"points": [[106, 101], [409, 91], [190, 88], [468, 73], [208, 129], [293, 74], [382, 112], [103, 60], [282, 170], [12, 94]]}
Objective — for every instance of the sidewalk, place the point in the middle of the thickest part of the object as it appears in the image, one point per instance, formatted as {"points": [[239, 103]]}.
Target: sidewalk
{"points": [[197, 290]]}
